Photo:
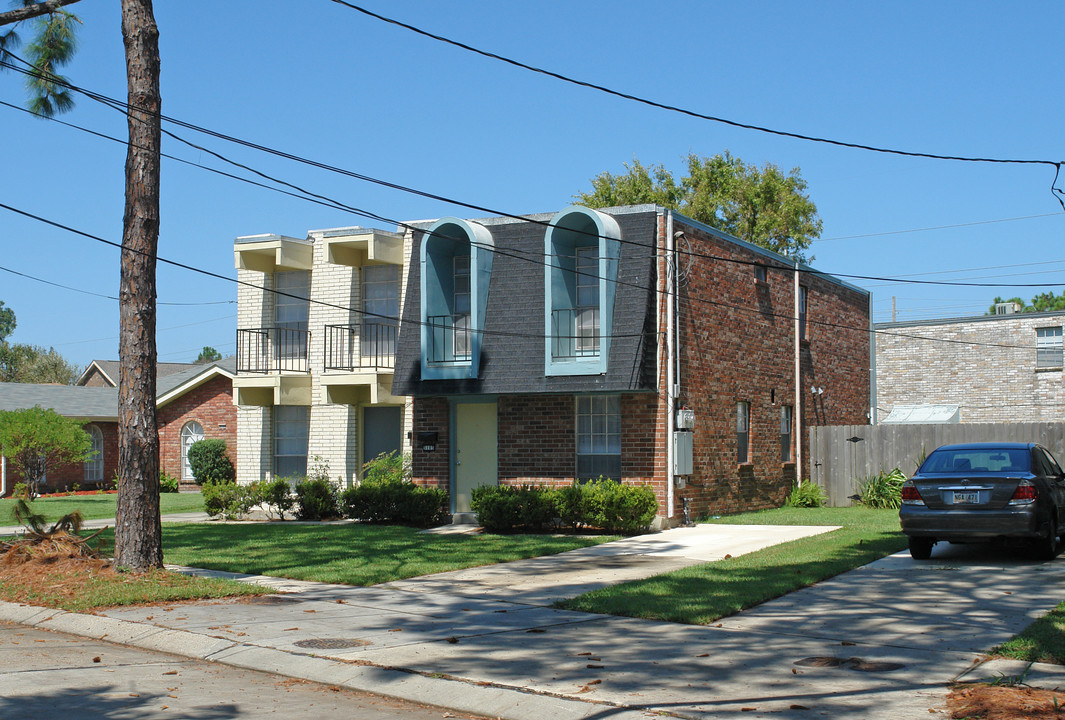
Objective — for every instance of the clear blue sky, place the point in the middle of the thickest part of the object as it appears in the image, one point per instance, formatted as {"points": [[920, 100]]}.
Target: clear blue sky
{"points": [[318, 80]]}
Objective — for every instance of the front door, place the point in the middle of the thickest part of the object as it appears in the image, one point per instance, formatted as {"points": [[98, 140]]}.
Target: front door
{"points": [[475, 450]]}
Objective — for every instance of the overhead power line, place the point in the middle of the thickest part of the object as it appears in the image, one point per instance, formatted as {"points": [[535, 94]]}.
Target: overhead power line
{"points": [[936, 227], [101, 295]]}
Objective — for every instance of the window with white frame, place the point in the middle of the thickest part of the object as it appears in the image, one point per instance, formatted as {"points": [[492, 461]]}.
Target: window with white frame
{"points": [[380, 305], [191, 432], [786, 454], [291, 430], [743, 431], [598, 437], [291, 314], [586, 312], [461, 300], [94, 466], [1048, 347], [802, 313]]}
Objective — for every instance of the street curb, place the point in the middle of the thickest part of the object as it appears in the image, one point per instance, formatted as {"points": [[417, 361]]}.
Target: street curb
{"points": [[480, 699]]}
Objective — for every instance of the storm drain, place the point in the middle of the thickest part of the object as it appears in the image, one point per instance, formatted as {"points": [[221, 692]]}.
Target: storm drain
{"points": [[330, 643], [852, 663], [273, 600]]}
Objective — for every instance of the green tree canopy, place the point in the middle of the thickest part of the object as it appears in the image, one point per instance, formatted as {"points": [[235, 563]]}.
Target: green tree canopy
{"points": [[34, 438], [762, 205], [34, 364], [7, 321], [208, 354], [1043, 302]]}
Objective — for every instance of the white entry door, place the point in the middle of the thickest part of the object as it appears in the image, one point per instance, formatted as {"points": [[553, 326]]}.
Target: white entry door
{"points": [[475, 450]]}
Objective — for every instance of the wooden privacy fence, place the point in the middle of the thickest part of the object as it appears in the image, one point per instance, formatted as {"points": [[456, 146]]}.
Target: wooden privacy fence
{"points": [[844, 455]]}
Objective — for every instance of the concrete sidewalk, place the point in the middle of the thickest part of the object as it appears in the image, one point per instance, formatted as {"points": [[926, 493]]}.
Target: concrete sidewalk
{"points": [[110, 522], [879, 642]]}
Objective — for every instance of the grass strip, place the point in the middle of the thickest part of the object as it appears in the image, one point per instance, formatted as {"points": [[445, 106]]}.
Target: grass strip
{"points": [[350, 554], [1042, 641], [701, 594], [95, 507]]}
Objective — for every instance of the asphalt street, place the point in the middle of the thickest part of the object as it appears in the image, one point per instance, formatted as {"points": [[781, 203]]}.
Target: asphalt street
{"points": [[53, 675]]}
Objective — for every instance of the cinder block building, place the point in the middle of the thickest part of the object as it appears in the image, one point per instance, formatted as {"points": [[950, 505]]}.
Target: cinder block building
{"points": [[630, 343], [317, 319], [994, 368]]}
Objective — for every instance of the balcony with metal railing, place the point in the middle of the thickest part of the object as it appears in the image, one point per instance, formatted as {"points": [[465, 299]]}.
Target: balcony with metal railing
{"points": [[365, 346], [449, 339], [272, 350]]}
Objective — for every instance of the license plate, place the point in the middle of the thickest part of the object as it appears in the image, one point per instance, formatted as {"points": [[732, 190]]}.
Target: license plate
{"points": [[966, 497]]}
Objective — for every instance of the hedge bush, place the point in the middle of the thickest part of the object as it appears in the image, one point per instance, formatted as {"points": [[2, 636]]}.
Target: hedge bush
{"points": [[386, 495], [277, 496], [317, 499], [230, 500], [505, 508], [611, 506], [209, 460], [619, 508]]}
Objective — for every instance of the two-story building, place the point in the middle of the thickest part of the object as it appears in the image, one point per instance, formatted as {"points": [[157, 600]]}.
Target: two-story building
{"points": [[630, 343], [317, 320]]}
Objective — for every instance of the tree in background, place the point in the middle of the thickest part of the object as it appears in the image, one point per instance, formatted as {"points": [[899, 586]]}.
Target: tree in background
{"points": [[1043, 302], [34, 438], [207, 355], [761, 205], [34, 364], [138, 530], [7, 321]]}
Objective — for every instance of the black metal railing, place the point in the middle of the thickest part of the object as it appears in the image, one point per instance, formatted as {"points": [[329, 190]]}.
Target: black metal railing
{"points": [[369, 346], [272, 349], [574, 333], [449, 339]]}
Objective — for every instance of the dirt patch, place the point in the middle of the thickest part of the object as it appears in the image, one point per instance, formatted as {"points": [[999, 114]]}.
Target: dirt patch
{"points": [[1004, 702]]}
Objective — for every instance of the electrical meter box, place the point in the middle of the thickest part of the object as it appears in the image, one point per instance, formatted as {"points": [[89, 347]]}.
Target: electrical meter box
{"points": [[685, 419], [682, 453]]}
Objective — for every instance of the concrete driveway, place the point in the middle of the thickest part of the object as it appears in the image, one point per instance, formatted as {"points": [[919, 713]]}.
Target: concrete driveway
{"points": [[879, 642]]}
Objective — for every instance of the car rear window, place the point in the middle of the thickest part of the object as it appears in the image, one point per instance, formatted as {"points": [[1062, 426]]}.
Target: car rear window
{"points": [[982, 460]]}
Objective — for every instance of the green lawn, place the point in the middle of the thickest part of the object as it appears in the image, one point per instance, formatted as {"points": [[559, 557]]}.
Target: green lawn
{"points": [[704, 593], [1042, 641], [352, 554], [94, 507]]}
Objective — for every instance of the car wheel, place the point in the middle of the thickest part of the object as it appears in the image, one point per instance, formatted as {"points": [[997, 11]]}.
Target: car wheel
{"points": [[921, 548], [1049, 547]]}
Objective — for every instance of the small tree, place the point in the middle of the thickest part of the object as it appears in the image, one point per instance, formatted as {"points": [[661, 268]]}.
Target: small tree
{"points": [[34, 438], [207, 355], [209, 460]]}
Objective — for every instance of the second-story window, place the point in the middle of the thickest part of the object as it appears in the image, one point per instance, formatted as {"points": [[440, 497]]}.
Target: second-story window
{"points": [[1048, 347], [291, 316], [380, 305], [461, 305], [586, 320]]}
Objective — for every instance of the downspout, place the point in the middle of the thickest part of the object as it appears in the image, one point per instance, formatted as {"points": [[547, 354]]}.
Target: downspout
{"points": [[671, 350], [872, 366], [798, 385]]}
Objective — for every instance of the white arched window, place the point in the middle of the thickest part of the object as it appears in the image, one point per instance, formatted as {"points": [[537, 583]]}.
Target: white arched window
{"points": [[191, 432], [94, 466]]}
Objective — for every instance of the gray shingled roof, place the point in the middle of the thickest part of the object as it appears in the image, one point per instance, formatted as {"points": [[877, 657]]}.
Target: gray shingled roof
{"points": [[97, 403], [110, 368], [512, 350]]}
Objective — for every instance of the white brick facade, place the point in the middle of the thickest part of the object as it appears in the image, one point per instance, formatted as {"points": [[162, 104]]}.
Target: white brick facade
{"points": [[334, 433], [986, 365]]}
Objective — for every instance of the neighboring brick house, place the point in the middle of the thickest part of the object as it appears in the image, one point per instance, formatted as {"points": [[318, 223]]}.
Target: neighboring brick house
{"points": [[316, 333], [192, 404], [995, 368], [555, 347]]}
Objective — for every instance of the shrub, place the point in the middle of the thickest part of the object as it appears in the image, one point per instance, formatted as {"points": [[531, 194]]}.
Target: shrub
{"points": [[386, 468], [230, 500], [21, 491], [505, 508], [167, 483], [619, 508], [209, 461], [806, 494], [277, 495], [883, 490], [574, 504], [316, 499], [403, 503]]}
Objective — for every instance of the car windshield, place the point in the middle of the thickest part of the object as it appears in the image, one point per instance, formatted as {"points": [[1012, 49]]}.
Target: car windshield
{"points": [[978, 460]]}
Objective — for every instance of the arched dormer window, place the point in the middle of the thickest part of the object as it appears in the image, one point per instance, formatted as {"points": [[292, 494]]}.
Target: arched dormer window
{"points": [[94, 466], [582, 248], [456, 267]]}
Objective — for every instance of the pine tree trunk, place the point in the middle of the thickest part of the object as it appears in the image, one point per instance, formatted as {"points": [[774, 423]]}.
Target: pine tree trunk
{"points": [[138, 533]]}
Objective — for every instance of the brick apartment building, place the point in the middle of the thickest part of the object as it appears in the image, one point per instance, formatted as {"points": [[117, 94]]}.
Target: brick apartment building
{"points": [[193, 402], [560, 347], [992, 368]]}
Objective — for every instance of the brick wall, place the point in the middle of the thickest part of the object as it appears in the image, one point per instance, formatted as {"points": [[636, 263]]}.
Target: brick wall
{"points": [[986, 365], [431, 468], [737, 344], [211, 405]]}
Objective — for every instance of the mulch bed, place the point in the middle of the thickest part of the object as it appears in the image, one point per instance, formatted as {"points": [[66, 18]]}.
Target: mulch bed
{"points": [[1005, 702]]}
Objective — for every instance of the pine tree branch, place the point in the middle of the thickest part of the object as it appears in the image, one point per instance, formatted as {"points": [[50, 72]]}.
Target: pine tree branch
{"points": [[32, 11]]}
